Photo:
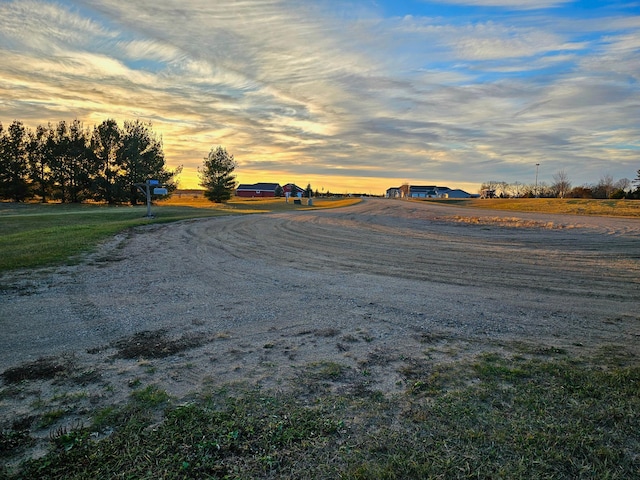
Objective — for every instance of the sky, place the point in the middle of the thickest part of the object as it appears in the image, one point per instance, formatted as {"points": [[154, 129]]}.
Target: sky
{"points": [[345, 95]]}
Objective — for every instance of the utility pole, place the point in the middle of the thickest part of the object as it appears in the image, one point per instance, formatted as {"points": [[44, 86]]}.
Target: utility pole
{"points": [[536, 190]]}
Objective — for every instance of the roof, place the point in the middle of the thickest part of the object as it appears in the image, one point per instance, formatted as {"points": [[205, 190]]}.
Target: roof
{"points": [[427, 187], [293, 185], [457, 193], [259, 186]]}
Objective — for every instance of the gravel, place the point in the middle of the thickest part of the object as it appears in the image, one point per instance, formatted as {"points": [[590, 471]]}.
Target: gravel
{"points": [[253, 298]]}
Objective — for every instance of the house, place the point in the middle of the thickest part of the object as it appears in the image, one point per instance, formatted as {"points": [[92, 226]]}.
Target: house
{"points": [[258, 190], [457, 193], [427, 191], [293, 190], [394, 192], [430, 191]]}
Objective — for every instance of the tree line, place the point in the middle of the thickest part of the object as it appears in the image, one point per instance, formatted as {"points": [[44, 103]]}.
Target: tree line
{"points": [[72, 164], [561, 187]]}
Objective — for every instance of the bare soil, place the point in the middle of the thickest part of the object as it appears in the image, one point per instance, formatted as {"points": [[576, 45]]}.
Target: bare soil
{"points": [[376, 287]]}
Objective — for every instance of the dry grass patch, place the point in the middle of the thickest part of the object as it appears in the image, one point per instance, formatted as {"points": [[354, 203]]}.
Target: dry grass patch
{"points": [[155, 344], [257, 205], [45, 368], [572, 206]]}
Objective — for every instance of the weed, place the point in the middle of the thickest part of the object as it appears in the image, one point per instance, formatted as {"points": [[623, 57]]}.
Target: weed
{"points": [[16, 438], [616, 355], [350, 338], [430, 338], [134, 383], [51, 417], [541, 350], [327, 332], [425, 378], [87, 376], [325, 371], [105, 417], [149, 397]]}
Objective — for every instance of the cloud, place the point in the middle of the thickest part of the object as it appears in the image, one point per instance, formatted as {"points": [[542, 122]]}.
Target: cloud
{"points": [[511, 4], [44, 28], [312, 88], [150, 51]]}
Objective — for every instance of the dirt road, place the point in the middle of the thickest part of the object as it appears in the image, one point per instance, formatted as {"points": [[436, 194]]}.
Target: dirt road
{"points": [[254, 297]]}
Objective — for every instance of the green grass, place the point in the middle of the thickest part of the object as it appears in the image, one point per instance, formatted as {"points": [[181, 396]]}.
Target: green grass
{"points": [[494, 417], [40, 235], [35, 235]]}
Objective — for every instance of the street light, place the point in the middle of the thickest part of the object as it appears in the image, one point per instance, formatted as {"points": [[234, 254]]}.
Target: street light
{"points": [[537, 165]]}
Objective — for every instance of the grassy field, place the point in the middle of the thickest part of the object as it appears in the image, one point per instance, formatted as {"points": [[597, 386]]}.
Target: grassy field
{"points": [[33, 235], [572, 206], [259, 204]]}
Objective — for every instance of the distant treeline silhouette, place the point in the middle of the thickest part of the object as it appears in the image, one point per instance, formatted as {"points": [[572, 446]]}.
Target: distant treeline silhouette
{"points": [[561, 187], [69, 163]]}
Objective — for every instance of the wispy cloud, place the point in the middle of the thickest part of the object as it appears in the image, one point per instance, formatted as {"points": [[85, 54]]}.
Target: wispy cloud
{"points": [[512, 4], [316, 90]]}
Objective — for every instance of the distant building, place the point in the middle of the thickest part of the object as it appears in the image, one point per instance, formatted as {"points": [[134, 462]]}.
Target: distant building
{"points": [[293, 190], [430, 191], [457, 193], [394, 192], [488, 193], [427, 191], [257, 190]]}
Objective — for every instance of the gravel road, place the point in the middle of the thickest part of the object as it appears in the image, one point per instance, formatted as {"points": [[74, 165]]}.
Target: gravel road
{"points": [[254, 297]]}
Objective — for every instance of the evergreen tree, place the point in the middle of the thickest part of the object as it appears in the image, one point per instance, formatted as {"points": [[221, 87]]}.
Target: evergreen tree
{"points": [[73, 165], [636, 193], [70, 163], [14, 166], [82, 168], [105, 143], [39, 156], [142, 158], [216, 175], [58, 146]]}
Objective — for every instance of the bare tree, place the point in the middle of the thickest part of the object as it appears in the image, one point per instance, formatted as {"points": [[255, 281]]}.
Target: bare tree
{"points": [[623, 184], [489, 189], [604, 188], [544, 190], [561, 184], [516, 188]]}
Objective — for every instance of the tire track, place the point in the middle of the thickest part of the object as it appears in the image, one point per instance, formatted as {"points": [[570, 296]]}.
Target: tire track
{"points": [[385, 238], [405, 264]]}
